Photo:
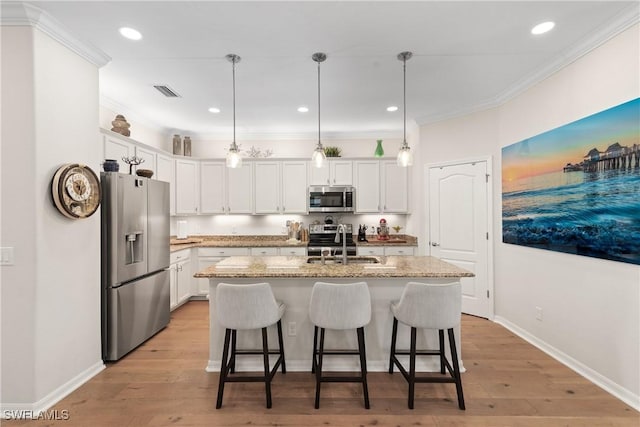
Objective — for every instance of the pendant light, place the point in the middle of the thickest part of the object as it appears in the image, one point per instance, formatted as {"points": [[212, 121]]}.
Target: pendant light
{"points": [[234, 159], [405, 158], [318, 157]]}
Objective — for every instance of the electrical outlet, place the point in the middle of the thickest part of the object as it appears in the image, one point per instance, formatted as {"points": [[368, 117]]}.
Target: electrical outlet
{"points": [[539, 313], [6, 256], [233, 230], [292, 329]]}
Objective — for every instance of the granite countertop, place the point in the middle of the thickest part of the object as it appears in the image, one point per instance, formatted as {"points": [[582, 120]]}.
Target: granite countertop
{"points": [[273, 241], [297, 266]]}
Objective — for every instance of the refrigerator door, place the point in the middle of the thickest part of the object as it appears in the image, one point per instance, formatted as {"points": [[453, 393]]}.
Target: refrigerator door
{"points": [[157, 225], [136, 311], [131, 229]]}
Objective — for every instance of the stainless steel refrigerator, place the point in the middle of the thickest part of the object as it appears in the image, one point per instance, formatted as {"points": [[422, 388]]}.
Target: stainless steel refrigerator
{"points": [[135, 261]]}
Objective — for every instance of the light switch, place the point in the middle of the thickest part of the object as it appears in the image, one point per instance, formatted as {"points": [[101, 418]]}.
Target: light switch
{"points": [[6, 256]]}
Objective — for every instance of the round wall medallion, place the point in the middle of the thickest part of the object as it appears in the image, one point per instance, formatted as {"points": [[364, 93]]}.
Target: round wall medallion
{"points": [[76, 190]]}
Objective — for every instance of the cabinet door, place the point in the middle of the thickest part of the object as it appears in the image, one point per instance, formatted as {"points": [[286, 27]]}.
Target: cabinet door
{"points": [[166, 172], [240, 189], [186, 187], [341, 172], [370, 250], [294, 187], [212, 186], [267, 187], [173, 286], [263, 251], [184, 281], [319, 176], [367, 183], [149, 158], [202, 285], [399, 250], [115, 148], [297, 251], [394, 188]]}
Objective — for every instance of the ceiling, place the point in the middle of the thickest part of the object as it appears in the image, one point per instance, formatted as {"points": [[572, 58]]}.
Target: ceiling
{"points": [[467, 56]]}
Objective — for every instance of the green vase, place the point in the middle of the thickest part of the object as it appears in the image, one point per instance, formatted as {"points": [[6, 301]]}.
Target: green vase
{"points": [[379, 150]]}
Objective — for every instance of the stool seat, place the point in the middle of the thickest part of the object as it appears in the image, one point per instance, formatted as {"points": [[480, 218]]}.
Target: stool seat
{"points": [[243, 307], [339, 306], [428, 306]]}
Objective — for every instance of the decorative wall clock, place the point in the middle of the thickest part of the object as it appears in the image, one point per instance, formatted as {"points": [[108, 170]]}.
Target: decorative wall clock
{"points": [[76, 190]]}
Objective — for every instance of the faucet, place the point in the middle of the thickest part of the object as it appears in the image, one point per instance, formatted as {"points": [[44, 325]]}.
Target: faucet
{"points": [[342, 228]]}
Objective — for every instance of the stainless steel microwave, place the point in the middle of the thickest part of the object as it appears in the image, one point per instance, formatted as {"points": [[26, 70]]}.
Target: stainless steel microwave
{"points": [[331, 199]]}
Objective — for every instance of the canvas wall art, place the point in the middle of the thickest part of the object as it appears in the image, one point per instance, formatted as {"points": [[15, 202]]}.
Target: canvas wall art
{"points": [[576, 188]]}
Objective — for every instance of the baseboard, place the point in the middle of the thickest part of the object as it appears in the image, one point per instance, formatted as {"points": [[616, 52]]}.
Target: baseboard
{"points": [[33, 410], [598, 379]]}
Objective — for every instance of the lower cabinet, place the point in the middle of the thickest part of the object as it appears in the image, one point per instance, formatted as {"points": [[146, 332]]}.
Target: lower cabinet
{"points": [[208, 257], [180, 276], [386, 250]]}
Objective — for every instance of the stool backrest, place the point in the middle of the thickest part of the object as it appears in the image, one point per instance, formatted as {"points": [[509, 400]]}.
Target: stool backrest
{"points": [[340, 305], [250, 306], [431, 306]]}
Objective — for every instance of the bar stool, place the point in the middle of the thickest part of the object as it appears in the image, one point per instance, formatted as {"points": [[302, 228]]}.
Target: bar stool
{"points": [[251, 306], [340, 307], [428, 306]]}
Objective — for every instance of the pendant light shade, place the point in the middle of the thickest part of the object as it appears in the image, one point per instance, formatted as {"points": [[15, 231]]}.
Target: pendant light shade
{"points": [[318, 157], [234, 159], [405, 157]]}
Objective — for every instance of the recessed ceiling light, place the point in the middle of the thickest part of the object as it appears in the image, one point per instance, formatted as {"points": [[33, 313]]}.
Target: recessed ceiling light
{"points": [[214, 110], [303, 109], [543, 27], [392, 108], [130, 33]]}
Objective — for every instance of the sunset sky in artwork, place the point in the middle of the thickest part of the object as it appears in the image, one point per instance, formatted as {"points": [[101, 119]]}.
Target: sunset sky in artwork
{"points": [[552, 150]]}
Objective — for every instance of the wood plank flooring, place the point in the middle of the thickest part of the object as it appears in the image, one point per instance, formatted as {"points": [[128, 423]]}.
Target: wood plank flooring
{"points": [[508, 383]]}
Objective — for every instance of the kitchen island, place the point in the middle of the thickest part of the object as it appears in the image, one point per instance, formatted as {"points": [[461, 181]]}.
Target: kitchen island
{"points": [[292, 278]]}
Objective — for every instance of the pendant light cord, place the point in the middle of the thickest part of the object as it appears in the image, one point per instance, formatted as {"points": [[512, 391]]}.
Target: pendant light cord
{"points": [[404, 98], [234, 102], [318, 102]]}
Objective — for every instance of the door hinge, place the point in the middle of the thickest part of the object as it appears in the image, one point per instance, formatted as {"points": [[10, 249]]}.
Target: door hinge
{"points": [[486, 177], [487, 293]]}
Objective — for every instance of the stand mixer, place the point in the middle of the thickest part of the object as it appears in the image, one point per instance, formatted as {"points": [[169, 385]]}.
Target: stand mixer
{"points": [[383, 230]]}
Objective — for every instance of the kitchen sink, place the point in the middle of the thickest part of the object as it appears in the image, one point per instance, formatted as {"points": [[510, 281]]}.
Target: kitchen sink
{"points": [[338, 260]]}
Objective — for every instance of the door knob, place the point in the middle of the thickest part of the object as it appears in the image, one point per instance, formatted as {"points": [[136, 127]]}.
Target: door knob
{"points": [[435, 244]]}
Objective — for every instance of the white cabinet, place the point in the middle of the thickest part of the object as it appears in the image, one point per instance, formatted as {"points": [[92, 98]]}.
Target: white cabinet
{"points": [[280, 187], [149, 157], [334, 172], [240, 189], [186, 187], [381, 186], [386, 250], [395, 187], [267, 187], [262, 251], [180, 277], [211, 256], [296, 251], [367, 179], [212, 187], [116, 148], [165, 171]]}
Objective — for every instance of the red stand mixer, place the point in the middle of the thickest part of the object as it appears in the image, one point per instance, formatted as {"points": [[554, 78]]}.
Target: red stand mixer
{"points": [[383, 230]]}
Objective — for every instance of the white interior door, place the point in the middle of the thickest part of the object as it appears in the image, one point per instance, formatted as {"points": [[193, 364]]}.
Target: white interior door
{"points": [[459, 228]]}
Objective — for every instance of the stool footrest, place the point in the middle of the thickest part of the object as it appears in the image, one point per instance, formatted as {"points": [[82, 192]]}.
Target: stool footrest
{"points": [[330, 379], [339, 352]]}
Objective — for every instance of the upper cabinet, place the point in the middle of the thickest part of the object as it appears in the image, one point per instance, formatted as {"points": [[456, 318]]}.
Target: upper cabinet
{"points": [[212, 187], [240, 189], [116, 148], [150, 160], [280, 187], [187, 181], [381, 186], [165, 171], [333, 173]]}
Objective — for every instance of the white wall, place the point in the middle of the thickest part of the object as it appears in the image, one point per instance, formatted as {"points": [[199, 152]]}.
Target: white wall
{"points": [[51, 297], [140, 131], [591, 307]]}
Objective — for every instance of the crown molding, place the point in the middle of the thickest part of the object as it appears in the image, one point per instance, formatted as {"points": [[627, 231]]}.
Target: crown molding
{"points": [[619, 23], [18, 14], [293, 136]]}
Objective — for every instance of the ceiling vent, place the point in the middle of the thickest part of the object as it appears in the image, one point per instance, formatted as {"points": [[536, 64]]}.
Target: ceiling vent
{"points": [[166, 91]]}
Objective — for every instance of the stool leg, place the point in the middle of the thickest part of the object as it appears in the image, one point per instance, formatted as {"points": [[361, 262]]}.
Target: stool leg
{"points": [[281, 344], [441, 337], [319, 368], [456, 369], [315, 348], [223, 367], [363, 366], [392, 352], [232, 361], [267, 377], [412, 367]]}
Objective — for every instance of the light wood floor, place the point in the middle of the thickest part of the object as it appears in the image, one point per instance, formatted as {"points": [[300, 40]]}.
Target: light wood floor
{"points": [[508, 383]]}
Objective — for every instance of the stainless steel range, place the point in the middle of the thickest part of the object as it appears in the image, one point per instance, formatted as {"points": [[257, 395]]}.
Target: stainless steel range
{"points": [[324, 236]]}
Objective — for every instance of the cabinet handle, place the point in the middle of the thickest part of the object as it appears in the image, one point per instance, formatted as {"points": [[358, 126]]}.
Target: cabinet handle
{"points": [[435, 244], [223, 209], [385, 207], [328, 182]]}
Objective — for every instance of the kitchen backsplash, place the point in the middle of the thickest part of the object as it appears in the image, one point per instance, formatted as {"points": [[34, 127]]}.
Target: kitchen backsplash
{"points": [[275, 224]]}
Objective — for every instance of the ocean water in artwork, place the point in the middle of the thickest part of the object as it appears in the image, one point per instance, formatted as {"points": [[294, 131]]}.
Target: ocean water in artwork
{"points": [[576, 189], [587, 213]]}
